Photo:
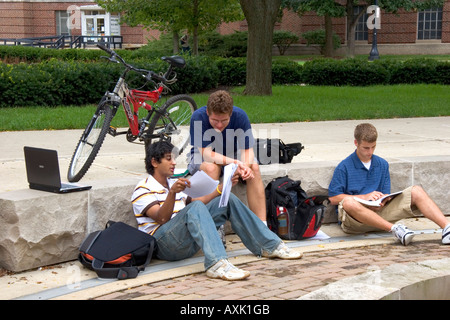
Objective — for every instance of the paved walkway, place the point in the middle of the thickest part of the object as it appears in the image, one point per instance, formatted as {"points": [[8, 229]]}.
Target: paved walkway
{"points": [[287, 280]]}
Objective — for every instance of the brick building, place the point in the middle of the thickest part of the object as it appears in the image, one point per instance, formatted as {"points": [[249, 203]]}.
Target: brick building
{"points": [[405, 32]]}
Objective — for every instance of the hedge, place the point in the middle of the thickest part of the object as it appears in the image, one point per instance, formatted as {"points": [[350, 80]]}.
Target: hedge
{"points": [[69, 82], [352, 72]]}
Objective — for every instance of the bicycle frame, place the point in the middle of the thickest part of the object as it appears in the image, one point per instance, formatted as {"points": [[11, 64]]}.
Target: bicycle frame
{"points": [[132, 100]]}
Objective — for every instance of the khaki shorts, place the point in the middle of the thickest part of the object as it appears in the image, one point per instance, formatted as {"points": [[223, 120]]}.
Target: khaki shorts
{"points": [[397, 209]]}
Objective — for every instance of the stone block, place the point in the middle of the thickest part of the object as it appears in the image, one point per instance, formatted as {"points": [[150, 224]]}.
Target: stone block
{"points": [[40, 228], [110, 200], [433, 174]]}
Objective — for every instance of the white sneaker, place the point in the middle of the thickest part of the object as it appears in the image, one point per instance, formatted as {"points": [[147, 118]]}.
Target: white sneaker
{"points": [[446, 234], [402, 233], [283, 252], [223, 269]]}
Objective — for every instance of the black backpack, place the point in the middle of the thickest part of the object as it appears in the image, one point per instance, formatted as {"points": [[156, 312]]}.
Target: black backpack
{"points": [[291, 214], [265, 150], [119, 251]]}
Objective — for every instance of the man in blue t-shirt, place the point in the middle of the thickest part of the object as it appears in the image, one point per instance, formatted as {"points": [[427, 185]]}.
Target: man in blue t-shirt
{"points": [[365, 176], [222, 134]]}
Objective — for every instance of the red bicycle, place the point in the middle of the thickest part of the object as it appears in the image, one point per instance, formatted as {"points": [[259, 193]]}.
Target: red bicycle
{"points": [[170, 121]]}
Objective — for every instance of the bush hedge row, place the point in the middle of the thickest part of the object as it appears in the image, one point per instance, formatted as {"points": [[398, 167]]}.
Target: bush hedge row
{"points": [[68, 82]]}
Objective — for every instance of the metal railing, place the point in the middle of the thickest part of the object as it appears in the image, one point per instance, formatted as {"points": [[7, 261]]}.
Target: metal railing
{"points": [[61, 42]]}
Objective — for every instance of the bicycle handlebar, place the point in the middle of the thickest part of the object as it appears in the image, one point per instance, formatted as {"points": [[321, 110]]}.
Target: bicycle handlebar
{"points": [[148, 74]]}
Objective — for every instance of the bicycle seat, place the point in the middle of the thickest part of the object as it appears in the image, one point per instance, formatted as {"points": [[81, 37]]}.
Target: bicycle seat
{"points": [[175, 61]]}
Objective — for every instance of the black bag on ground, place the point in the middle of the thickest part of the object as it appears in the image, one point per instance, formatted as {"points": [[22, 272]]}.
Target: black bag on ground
{"points": [[291, 214], [269, 151], [119, 251]]}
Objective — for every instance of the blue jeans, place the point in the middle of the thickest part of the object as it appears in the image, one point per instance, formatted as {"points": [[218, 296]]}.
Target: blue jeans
{"points": [[195, 227]]}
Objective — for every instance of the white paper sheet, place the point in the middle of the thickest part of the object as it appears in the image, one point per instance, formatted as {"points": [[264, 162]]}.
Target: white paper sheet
{"points": [[228, 173], [320, 236], [201, 184]]}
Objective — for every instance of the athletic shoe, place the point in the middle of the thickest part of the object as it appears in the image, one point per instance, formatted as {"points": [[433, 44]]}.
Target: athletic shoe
{"points": [[446, 234], [223, 269], [402, 233], [283, 252]]}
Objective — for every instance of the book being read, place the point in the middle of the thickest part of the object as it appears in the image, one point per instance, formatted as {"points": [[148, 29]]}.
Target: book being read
{"points": [[377, 203]]}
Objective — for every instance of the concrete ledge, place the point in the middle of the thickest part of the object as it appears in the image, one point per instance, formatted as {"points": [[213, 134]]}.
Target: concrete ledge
{"points": [[427, 280], [39, 228]]}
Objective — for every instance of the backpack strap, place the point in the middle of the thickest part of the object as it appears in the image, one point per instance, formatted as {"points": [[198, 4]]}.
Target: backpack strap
{"points": [[122, 273]]}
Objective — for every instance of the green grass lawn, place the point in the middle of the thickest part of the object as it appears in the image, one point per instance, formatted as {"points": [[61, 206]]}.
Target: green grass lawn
{"points": [[311, 103], [287, 104]]}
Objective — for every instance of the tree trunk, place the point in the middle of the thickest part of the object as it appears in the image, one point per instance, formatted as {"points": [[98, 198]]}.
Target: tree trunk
{"points": [[351, 28], [261, 16], [175, 42], [328, 37], [350, 34], [195, 30]]}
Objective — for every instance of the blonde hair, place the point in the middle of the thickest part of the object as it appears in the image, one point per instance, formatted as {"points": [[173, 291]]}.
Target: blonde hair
{"points": [[365, 132]]}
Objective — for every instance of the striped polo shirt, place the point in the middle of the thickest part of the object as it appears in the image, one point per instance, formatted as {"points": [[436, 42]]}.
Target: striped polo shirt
{"points": [[148, 193]]}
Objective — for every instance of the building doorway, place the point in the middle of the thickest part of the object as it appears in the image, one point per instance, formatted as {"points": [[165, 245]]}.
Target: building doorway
{"points": [[96, 23]]}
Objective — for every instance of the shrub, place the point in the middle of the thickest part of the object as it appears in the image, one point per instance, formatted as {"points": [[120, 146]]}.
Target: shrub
{"points": [[283, 40], [349, 72], [200, 74], [286, 72], [21, 84], [415, 71], [317, 37], [56, 82], [230, 45], [232, 71], [70, 82]]}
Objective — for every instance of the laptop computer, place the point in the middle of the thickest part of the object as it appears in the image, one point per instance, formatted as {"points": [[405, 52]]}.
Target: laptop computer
{"points": [[43, 171]]}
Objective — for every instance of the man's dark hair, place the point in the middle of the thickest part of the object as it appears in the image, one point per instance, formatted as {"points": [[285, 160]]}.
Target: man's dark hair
{"points": [[156, 151]]}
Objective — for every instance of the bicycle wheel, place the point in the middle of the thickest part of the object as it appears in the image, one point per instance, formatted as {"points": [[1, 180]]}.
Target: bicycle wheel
{"points": [[172, 121], [90, 142]]}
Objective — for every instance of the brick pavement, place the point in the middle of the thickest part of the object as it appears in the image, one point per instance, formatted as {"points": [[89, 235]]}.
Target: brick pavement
{"points": [[283, 279]]}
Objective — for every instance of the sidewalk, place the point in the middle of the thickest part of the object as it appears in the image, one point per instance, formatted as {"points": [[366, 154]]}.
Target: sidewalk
{"points": [[325, 262], [287, 280], [323, 141]]}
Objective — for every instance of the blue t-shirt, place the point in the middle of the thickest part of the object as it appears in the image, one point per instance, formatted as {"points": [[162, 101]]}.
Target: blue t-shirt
{"points": [[236, 136], [352, 177]]}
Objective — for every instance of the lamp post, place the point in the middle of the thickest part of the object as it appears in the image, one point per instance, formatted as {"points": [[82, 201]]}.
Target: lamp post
{"points": [[374, 52]]}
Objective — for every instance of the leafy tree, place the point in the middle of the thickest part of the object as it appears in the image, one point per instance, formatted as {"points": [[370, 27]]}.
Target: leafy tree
{"points": [[326, 8], [332, 8], [176, 16]]}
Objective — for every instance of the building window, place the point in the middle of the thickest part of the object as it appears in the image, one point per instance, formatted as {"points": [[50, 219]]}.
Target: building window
{"points": [[429, 24], [61, 23], [361, 31]]}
